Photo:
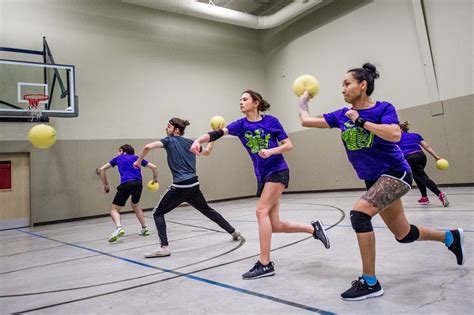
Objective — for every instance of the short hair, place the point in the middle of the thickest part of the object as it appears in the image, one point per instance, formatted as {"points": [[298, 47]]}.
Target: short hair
{"points": [[127, 148]]}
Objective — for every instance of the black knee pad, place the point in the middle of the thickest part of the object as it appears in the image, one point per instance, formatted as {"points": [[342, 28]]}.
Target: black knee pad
{"points": [[361, 222], [412, 236]]}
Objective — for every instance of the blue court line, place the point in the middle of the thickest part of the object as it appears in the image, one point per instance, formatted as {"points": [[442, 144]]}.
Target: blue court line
{"points": [[200, 279], [384, 227]]}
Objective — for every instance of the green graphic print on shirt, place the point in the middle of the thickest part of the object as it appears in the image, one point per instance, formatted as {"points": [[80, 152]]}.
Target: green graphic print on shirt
{"points": [[258, 141], [356, 138]]}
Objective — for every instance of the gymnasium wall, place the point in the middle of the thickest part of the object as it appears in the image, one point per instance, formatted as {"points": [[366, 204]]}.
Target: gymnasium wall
{"points": [[382, 32], [343, 35], [138, 67], [318, 160]]}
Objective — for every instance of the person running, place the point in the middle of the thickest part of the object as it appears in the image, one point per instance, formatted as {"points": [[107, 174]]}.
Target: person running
{"points": [[411, 145], [130, 185], [185, 186], [370, 132], [265, 140]]}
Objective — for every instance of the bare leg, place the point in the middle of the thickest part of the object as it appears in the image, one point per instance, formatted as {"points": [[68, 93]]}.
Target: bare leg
{"points": [[383, 193], [366, 240], [139, 213], [286, 226], [115, 214], [394, 217], [429, 234], [270, 197]]}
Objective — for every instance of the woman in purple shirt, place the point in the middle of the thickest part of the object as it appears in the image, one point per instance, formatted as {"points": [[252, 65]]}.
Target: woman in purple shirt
{"points": [[370, 132], [411, 145], [265, 140]]}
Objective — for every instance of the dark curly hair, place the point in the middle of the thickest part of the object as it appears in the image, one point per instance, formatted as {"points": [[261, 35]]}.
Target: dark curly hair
{"points": [[127, 148]]}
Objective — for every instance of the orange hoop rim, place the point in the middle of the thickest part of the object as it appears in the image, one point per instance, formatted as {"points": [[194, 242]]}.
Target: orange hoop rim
{"points": [[35, 99]]}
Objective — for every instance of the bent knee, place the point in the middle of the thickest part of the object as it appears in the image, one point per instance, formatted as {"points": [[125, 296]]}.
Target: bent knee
{"points": [[158, 214], [361, 222], [412, 235], [366, 207], [262, 213]]}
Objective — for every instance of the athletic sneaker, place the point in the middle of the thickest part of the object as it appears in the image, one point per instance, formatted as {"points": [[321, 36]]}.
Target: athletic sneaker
{"points": [[145, 231], [116, 234], [259, 270], [235, 235], [360, 290], [457, 247], [319, 233], [443, 199], [161, 252], [424, 201]]}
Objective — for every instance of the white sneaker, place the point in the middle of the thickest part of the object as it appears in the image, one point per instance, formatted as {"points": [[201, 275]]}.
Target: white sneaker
{"points": [[444, 199], [160, 252], [116, 234], [145, 231]]}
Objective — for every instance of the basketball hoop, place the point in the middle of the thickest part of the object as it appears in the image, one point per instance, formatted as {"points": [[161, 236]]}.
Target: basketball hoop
{"points": [[34, 104]]}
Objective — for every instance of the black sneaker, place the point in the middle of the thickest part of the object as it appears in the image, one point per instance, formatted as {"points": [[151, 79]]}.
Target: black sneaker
{"points": [[259, 270], [457, 247], [360, 290], [319, 233]]}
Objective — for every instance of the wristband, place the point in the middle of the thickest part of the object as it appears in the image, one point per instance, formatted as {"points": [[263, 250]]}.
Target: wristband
{"points": [[214, 135], [359, 122]]}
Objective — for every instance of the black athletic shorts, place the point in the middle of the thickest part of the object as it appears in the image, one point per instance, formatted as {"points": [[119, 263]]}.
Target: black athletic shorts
{"points": [[403, 176], [278, 177], [133, 188]]}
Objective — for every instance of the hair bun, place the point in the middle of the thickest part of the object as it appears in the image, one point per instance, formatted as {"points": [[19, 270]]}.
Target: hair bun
{"points": [[370, 68]]}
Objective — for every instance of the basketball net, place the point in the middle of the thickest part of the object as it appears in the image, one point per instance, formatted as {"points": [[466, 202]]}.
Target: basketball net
{"points": [[34, 105]]}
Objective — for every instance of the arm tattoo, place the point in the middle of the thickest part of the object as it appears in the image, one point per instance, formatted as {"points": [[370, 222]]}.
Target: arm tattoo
{"points": [[303, 107], [385, 191]]}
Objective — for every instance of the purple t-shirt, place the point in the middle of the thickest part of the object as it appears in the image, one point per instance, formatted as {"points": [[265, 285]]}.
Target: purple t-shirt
{"points": [[370, 155], [263, 134], [410, 143], [125, 167]]}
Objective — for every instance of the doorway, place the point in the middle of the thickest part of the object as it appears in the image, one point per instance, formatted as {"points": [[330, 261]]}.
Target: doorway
{"points": [[14, 190]]}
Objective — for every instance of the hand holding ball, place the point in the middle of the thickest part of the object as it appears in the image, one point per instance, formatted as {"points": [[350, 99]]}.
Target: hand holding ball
{"points": [[42, 136], [442, 164], [152, 186], [217, 122], [306, 82]]}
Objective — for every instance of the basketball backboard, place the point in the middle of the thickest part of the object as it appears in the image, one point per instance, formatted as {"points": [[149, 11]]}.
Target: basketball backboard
{"points": [[20, 78]]}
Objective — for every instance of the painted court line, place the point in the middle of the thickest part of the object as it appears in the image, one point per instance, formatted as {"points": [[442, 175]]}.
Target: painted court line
{"points": [[196, 278]]}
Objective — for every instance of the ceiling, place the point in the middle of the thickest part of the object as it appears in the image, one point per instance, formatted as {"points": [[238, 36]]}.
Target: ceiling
{"points": [[256, 14], [255, 7]]}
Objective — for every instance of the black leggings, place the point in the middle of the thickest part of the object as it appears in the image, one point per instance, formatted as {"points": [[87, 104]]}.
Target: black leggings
{"points": [[173, 197], [417, 163]]}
